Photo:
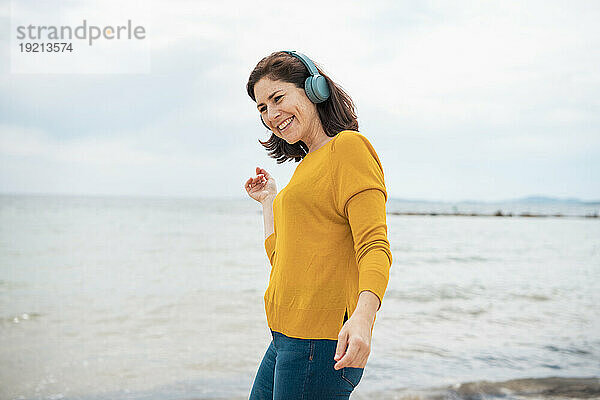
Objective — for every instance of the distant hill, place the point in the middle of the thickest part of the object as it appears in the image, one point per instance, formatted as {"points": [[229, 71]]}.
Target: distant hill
{"points": [[520, 200], [546, 199]]}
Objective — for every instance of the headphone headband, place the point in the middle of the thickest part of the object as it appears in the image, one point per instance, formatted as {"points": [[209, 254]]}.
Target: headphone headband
{"points": [[305, 60], [315, 86]]}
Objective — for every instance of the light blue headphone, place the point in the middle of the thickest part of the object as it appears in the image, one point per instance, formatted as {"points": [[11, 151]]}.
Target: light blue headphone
{"points": [[315, 86]]}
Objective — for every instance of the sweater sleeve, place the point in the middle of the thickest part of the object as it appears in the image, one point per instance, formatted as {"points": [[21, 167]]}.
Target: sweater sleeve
{"points": [[270, 247], [360, 197]]}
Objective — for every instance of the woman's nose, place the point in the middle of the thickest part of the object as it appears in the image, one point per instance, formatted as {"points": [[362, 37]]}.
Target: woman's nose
{"points": [[272, 114]]}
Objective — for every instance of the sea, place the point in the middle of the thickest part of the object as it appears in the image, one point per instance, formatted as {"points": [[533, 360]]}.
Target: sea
{"points": [[162, 298]]}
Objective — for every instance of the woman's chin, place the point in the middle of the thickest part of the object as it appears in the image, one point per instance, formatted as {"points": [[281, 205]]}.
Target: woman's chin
{"points": [[290, 139]]}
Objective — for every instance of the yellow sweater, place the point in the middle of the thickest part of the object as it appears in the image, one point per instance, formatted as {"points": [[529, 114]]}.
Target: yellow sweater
{"points": [[330, 240]]}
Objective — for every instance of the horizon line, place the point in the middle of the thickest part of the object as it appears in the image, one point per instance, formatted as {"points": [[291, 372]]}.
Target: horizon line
{"points": [[531, 197]]}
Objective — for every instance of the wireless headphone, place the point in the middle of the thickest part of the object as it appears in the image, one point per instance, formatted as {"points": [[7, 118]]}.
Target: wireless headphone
{"points": [[315, 86]]}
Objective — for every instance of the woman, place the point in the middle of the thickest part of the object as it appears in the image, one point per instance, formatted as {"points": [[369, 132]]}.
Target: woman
{"points": [[325, 233]]}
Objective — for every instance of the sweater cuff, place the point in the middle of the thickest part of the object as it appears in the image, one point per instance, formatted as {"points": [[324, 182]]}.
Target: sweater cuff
{"points": [[374, 273]]}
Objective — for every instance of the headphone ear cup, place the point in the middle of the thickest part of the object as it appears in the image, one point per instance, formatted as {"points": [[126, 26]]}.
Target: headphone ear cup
{"points": [[320, 87], [315, 86], [308, 88]]}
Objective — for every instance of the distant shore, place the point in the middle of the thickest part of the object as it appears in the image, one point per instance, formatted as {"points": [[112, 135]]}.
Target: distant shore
{"points": [[498, 213]]}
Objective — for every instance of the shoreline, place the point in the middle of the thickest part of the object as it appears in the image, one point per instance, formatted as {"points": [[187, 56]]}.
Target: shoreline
{"points": [[498, 213]]}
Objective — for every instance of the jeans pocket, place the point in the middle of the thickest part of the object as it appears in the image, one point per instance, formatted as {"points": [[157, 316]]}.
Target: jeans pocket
{"points": [[352, 375]]}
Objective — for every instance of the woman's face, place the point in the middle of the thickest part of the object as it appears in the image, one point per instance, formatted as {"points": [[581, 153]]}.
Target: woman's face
{"points": [[286, 110]]}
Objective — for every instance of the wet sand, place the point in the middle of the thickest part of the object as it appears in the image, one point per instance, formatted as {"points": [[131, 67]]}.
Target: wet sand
{"points": [[541, 388], [550, 388]]}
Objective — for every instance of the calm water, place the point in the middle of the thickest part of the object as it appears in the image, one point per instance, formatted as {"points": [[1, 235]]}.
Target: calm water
{"points": [[105, 298]]}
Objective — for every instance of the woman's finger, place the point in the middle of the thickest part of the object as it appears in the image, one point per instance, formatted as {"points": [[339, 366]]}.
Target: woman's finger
{"points": [[263, 171]]}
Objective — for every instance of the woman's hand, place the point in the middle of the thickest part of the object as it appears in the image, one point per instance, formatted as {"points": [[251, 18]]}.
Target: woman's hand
{"points": [[356, 335], [261, 186]]}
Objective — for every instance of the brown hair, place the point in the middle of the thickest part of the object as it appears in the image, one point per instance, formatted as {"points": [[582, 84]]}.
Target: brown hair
{"points": [[336, 113]]}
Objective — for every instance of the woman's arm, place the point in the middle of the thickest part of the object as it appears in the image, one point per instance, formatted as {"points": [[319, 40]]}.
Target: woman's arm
{"points": [[270, 236], [360, 196], [268, 215], [263, 189]]}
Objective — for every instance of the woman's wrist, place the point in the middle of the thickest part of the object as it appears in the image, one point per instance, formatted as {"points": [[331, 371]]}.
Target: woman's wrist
{"points": [[268, 200], [368, 304]]}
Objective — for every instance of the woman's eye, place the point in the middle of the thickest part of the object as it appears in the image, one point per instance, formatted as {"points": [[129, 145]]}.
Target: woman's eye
{"points": [[262, 110]]}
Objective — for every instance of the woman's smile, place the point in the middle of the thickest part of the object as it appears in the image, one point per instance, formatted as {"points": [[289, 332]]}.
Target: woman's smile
{"points": [[285, 124]]}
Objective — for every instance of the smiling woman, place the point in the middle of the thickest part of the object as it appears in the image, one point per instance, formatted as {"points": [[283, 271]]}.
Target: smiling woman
{"points": [[281, 74], [325, 234]]}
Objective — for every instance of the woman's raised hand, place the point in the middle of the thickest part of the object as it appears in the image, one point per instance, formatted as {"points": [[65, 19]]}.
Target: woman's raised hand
{"points": [[262, 186]]}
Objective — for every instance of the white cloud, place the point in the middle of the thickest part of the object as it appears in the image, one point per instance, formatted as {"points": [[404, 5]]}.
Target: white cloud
{"points": [[97, 150], [499, 83]]}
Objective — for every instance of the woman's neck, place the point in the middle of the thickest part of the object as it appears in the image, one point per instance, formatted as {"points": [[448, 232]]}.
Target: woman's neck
{"points": [[318, 140]]}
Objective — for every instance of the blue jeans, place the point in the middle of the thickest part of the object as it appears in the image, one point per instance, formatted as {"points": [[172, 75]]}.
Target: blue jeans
{"points": [[302, 369]]}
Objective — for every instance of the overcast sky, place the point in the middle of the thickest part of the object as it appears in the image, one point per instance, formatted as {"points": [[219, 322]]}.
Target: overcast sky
{"points": [[480, 100]]}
